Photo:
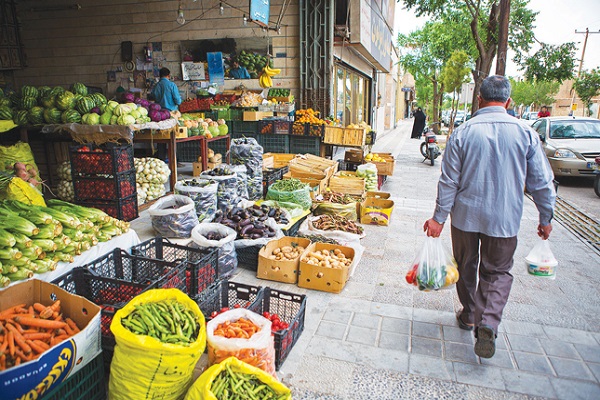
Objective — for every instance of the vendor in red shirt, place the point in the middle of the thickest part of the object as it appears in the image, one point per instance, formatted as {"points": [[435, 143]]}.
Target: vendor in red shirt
{"points": [[543, 112]]}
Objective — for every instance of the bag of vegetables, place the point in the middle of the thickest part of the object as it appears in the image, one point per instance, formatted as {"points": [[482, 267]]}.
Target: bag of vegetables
{"points": [[290, 190], [209, 236], [434, 267], [19, 158], [204, 194], [213, 382], [242, 177], [247, 152], [173, 216], [149, 365]]}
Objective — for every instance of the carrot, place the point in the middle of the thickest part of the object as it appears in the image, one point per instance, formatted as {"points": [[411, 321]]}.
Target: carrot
{"points": [[39, 307], [19, 340], [56, 306], [72, 324], [69, 330], [12, 316], [11, 343], [40, 323], [37, 336], [38, 349], [42, 344], [22, 356], [2, 362], [4, 345], [12, 310]]}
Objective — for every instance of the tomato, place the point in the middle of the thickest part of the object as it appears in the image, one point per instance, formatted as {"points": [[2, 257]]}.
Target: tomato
{"points": [[222, 310], [213, 314], [267, 315]]}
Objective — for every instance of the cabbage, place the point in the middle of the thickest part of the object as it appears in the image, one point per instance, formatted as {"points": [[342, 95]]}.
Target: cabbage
{"points": [[113, 120], [155, 115], [135, 114], [105, 118], [125, 120], [112, 105], [223, 129], [144, 103], [128, 97], [133, 106], [143, 111], [122, 109], [213, 130], [90, 119], [154, 106], [166, 114]]}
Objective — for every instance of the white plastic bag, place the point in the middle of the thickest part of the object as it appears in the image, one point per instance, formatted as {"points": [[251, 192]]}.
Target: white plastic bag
{"points": [[434, 268], [205, 197], [173, 216], [227, 256], [541, 261], [307, 228]]}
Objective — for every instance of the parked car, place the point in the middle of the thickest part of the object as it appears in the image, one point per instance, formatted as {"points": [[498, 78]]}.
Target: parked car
{"points": [[529, 117], [571, 144]]}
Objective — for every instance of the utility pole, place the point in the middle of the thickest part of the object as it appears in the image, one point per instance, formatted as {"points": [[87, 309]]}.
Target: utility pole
{"points": [[587, 33], [503, 37]]}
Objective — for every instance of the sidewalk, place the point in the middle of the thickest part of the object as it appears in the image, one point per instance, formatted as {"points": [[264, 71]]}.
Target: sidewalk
{"points": [[381, 339]]}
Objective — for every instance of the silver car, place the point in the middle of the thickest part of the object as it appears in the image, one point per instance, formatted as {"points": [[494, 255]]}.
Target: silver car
{"points": [[570, 143], [530, 117]]}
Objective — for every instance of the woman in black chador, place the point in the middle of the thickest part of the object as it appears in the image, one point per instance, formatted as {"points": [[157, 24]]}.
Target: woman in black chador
{"points": [[419, 123]]}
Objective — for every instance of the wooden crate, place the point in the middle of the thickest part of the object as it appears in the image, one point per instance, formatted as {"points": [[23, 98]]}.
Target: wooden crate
{"points": [[256, 115], [314, 164], [280, 160], [334, 135], [268, 161], [387, 167], [161, 134], [354, 137], [347, 182]]}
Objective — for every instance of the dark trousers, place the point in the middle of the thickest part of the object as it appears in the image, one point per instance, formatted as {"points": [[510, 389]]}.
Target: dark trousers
{"points": [[484, 283]]}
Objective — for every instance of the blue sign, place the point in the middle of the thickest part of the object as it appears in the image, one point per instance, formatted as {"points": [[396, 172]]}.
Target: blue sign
{"points": [[259, 11], [216, 72]]}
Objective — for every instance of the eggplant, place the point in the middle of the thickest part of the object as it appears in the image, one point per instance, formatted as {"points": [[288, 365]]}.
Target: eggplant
{"points": [[270, 234], [272, 212], [259, 225], [263, 218], [257, 231], [245, 222], [235, 210], [256, 236], [236, 218], [246, 229]]}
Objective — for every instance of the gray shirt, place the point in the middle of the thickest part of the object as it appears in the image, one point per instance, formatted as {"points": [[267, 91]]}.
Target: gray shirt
{"points": [[487, 163]]}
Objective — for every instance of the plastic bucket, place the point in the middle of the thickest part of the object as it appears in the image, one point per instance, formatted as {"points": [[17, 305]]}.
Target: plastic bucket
{"points": [[543, 269]]}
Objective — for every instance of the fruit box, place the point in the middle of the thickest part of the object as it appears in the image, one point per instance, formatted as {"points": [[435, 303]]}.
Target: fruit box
{"points": [[34, 378], [354, 155], [347, 182], [325, 279], [256, 115], [280, 271], [387, 167], [379, 195], [374, 211], [280, 160]]}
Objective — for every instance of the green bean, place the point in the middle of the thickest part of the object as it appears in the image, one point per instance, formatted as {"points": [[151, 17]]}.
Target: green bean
{"points": [[237, 385]]}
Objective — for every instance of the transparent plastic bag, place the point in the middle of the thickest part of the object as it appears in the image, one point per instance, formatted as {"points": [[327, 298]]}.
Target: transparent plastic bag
{"points": [[173, 216], [227, 192], [227, 262], [434, 268], [541, 261], [247, 152], [204, 194], [242, 180], [300, 196]]}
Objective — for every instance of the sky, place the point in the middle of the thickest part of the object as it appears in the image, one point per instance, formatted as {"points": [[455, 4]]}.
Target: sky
{"points": [[555, 24]]}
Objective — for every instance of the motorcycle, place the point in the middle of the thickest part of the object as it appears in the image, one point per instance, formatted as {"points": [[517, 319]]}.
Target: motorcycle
{"points": [[429, 148], [596, 168]]}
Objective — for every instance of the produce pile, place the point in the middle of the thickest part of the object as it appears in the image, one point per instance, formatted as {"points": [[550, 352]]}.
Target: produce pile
{"points": [[249, 223], [328, 222], [318, 239], [34, 238], [291, 191], [29, 331], [64, 188], [168, 321], [328, 258], [238, 385], [229, 185], [341, 198], [286, 253], [249, 99], [151, 176], [203, 193], [247, 152], [203, 126], [253, 62], [309, 116], [369, 173]]}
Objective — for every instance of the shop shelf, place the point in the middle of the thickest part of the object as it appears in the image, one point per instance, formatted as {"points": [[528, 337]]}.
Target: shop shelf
{"points": [[275, 143], [304, 144], [88, 383], [290, 308], [230, 294], [124, 209], [201, 265], [119, 186], [111, 160]]}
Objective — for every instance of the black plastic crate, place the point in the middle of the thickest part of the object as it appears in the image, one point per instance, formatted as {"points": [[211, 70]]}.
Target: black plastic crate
{"points": [[241, 135], [219, 147], [293, 230], [88, 383], [124, 209], [298, 128], [304, 144], [226, 294], [248, 257], [371, 138], [272, 175], [245, 127], [275, 143], [188, 151], [201, 264], [315, 130], [119, 186], [108, 159], [348, 165], [275, 127], [290, 308]]}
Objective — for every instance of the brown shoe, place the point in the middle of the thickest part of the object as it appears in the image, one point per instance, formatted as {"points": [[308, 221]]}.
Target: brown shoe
{"points": [[462, 324]]}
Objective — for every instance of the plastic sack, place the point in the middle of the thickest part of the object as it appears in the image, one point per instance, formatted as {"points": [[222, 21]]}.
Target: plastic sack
{"points": [[227, 191], [541, 261], [145, 368], [258, 350], [242, 180], [368, 171], [18, 189], [201, 389], [345, 210], [19, 152], [247, 152], [270, 222], [300, 196], [342, 237], [227, 256], [434, 268], [294, 209], [173, 216], [204, 194]]}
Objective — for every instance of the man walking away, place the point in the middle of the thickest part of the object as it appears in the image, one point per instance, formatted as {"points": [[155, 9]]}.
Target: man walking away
{"points": [[487, 163]]}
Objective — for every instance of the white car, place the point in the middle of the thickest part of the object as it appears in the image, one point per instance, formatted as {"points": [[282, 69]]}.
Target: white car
{"points": [[529, 117]]}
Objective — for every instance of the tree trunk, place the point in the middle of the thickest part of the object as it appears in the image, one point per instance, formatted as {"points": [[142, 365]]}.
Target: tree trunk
{"points": [[435, 104], [503, 37]]}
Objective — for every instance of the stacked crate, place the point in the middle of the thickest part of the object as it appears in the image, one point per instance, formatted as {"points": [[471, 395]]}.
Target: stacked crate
{"points": [[104, 178]]}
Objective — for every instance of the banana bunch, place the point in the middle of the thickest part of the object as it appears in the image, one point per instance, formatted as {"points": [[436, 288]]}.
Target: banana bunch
{"points": [[266, 77]]}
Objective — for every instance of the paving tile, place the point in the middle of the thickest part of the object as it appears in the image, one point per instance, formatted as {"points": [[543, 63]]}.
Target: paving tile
{"points": [[325, 347], [532, 363], [501, 359], [588, 352], [569, 335], [430, 367], [365, 336], [391, 310], [527, 383], [569, 389], [457, 335], [365, 320], [434, 317], [524, 343], [595, 368], [428, 347], [314, 376], [383, 358], [396, 325], [331, 330], [501, 342], [341, 316], [566, 368], [389, 340], [558, 348], [459, 352], [423, 329], [479, 375]]}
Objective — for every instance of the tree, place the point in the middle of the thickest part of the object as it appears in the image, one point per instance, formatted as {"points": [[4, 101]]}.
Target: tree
{"points": [[533, 92], [454, 73], [551, 63], [587, 86]]}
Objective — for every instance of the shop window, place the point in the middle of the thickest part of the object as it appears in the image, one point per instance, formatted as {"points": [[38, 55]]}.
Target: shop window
{"points": [[352, 96]]}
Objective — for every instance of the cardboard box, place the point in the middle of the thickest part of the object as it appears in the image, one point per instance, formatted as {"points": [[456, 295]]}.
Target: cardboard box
{"points": [[280, 271], [180, 132], [268, 161], [354, 155], [196, 169], [256, 115], [378, 195], [32, 379], [325, 279], [374, 211]]}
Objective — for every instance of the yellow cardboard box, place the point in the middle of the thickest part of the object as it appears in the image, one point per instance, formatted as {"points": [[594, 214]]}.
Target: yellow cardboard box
{"points": [[374, 211]]}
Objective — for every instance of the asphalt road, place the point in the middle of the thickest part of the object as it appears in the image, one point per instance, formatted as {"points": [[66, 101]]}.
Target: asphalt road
{"points": [[580, 193]]}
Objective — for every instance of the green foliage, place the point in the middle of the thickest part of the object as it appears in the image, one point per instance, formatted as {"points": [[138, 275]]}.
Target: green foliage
{"points": [[533, 92], [424, 91], [587, 86], [456, 71], [551, 63]]}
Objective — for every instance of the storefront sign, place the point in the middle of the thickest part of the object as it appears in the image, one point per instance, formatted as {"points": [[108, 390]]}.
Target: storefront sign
{"points": [[192, 71], [259, 11], [216, 72], [374, 37]]}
